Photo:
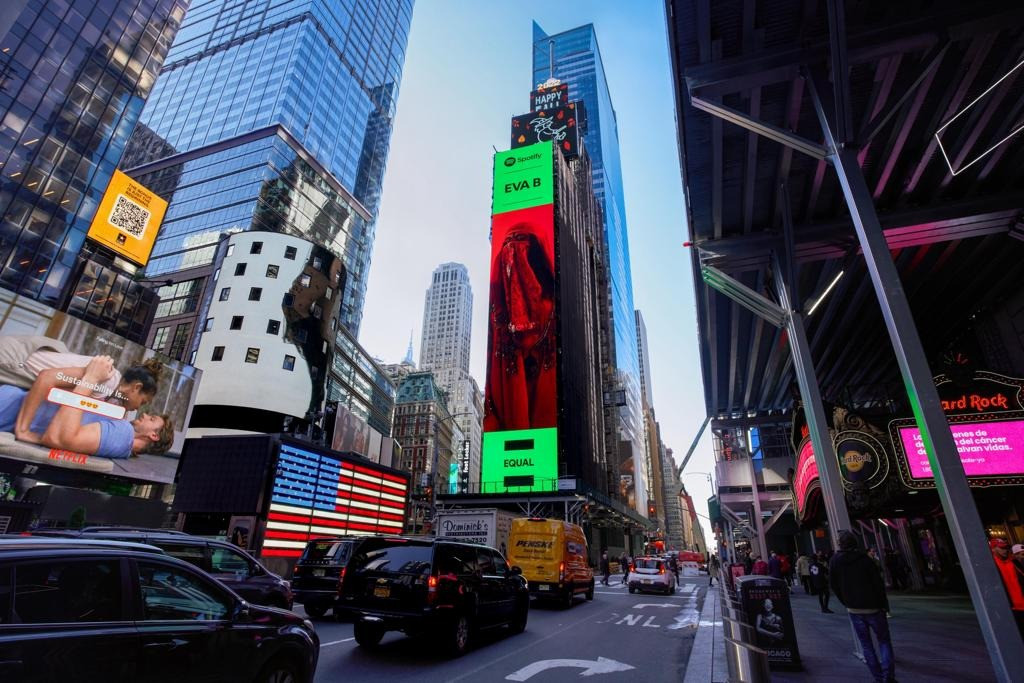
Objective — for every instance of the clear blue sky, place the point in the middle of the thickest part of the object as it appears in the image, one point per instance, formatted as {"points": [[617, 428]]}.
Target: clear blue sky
{"points": [[467, 72]]}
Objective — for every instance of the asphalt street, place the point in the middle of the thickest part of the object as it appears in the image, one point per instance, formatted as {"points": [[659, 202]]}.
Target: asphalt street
{"points": [[617, 636]]}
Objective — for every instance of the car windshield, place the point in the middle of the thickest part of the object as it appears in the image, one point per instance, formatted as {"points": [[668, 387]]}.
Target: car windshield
{"points": [[392, 556], [327, 551]]}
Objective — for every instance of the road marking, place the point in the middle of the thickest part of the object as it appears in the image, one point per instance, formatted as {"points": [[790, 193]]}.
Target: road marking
{"points": [[335, 642], [688, 588], [654, 604], [589, 666], [630, 620]]}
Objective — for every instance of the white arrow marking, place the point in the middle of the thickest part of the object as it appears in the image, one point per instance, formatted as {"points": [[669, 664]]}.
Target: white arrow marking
{"points": [[590, 667], [653, 604]]}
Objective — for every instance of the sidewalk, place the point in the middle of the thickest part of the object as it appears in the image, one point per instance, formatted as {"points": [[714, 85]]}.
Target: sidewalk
{"points": [[935, 638]]}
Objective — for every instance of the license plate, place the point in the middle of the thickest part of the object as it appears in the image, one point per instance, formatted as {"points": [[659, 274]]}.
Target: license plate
{"points": [[318, 572], [543, 588], [647, 581], [382, 591]]}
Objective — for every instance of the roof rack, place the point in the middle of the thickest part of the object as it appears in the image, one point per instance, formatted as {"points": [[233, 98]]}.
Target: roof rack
{"points": [[102, 529]]}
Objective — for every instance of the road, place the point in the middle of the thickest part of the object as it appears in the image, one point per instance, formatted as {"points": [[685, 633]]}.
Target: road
{"points": [[651, 634]]}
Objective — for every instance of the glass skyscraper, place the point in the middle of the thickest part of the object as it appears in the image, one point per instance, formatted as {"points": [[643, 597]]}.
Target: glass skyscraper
{"points": [[74, 75], [324, 72], [577, 61]]}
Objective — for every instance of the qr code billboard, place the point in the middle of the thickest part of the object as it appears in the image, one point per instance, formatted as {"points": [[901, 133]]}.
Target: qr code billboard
{"points": [[129, 217]]}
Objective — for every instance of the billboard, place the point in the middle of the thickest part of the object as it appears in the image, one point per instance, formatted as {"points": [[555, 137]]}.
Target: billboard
{"points": [[559, 125], [316, 494], [79, 397], [520, 447], [128, 219], [549, 98]]}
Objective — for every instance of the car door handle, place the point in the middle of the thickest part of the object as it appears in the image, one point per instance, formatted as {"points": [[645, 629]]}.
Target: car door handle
{"points": [[172, 644]]}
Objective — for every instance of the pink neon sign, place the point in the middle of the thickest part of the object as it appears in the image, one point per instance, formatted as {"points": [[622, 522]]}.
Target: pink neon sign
{"points": [[806, 472], [987, 449]]}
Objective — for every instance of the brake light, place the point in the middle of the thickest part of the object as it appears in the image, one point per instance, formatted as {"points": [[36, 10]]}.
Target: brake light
{"points": [[431, 590], [341, 579], [561, 571], [661, 569], [297, 570]]}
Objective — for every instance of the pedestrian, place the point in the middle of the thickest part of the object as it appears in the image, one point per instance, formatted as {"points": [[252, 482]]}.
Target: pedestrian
{"points": [[760, 567], [673, 562], [774, 566], [713, 570], [748, 563], [787, 570], [858, 584], [1013, 580], [1018, 557], [803, 569], [626, 559], [819, 581], [873, 555], [606, 569]]}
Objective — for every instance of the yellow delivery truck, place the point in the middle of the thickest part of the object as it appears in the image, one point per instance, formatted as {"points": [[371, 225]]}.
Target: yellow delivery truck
{"points": [[553, 557]]}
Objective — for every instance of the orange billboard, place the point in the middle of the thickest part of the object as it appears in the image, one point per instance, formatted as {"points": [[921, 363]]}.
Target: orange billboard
{"points": [[128, 219]]}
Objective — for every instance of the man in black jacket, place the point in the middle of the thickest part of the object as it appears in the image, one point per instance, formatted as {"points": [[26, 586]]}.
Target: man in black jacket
{"points": [[858, 585]]}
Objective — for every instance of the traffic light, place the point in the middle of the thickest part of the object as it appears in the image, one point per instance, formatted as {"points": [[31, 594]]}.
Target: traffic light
{"points": [[651, 510]]}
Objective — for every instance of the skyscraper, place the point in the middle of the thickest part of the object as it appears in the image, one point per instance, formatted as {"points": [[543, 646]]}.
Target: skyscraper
{"points": [[284, 114], [644, 361], [74, 76], [576, 57], [444, 350]]}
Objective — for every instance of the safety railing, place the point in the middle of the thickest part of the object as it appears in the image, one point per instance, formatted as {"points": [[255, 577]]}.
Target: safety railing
{"points": [[746, 662]]}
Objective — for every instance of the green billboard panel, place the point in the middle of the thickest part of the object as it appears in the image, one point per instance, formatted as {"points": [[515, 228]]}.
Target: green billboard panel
{"points": [[523, 178], [519, 461]]}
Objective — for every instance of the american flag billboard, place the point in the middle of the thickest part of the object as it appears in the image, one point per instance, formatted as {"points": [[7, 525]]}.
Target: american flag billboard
{"points": [[315, 495]]}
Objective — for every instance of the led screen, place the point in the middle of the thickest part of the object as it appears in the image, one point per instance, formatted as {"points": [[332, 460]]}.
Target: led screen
{"points": [[315, 494], [987, 449], [75, 396], [128, 219], [556, 125], [521, 460]]}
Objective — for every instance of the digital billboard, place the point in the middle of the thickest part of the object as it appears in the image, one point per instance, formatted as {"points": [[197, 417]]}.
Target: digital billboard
{"points": [[558, 125], [128, 219], [520, 447], [78, 397], [549, 98], [316, 494]]}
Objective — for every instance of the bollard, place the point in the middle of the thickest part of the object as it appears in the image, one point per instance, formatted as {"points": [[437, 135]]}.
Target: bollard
{"points": [[747, 663]]}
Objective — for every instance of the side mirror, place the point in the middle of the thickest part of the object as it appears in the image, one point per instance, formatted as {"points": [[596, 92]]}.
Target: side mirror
{"points": [[515, 570], [241, 614]]}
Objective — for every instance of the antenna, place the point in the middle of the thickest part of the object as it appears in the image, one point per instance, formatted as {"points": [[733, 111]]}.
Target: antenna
{"points": [[551, 59]]}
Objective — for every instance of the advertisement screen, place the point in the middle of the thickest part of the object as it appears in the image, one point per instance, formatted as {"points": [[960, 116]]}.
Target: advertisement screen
{"points": [[556, 125], [315, 494], [549, 98], [990, 448], [519, 461], [128, 219], [75, 396], [523, 178]]}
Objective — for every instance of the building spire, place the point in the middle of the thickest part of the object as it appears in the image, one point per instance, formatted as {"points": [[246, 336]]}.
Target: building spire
{"points": [[408, 352]]}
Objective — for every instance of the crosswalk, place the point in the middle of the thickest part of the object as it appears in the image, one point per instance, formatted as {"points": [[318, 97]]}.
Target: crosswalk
{"points": [[684, 588]]}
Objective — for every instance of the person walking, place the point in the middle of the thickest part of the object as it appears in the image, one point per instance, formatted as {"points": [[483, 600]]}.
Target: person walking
{"points": [[774, 566], [713, 570], [858, 584], [803, 569], [760, 567], [819, 581], [1013, 580], [748, 563], [606, 569], [626, 559]]}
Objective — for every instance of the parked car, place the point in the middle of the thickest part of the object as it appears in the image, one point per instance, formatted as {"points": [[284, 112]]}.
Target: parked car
{"points": [[99, 610], [651, 574], [316, 579], [229, 564], [424, 586], [553, 555]]}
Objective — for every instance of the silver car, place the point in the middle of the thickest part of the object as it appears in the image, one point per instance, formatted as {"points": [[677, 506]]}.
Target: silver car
{"points": [[651, 574]]}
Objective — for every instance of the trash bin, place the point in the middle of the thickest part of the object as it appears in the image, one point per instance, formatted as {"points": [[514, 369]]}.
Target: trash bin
{"points": [[765, 602]]}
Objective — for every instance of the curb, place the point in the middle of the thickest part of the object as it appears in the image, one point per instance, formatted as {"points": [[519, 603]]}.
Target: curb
{"points": [[707, 656]]}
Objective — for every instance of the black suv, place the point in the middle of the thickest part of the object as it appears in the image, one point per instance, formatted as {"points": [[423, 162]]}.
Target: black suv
{"points": [[317, 576], [91, 610], [436, 586], [224, 561]]}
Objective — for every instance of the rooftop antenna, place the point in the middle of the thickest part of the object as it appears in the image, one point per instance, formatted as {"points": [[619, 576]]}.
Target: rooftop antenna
{"points": [[551, 60]]}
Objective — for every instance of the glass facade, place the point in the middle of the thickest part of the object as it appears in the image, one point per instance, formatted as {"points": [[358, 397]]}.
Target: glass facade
{"points": [[74, 75], [577, 59], [360, 384], [327, 71]]}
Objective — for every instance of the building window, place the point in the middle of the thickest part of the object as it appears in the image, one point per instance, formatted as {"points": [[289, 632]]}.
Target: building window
{"points": [[160, 338], [315, 311], [289, 253], [208, 325], [273, 327], [256, 248], [225, 293], [216, 274], [272, 271], [289, 299], [300, 336], [255, 293], [329, 293], [289, 363], [218, 353], [252, 355], [239, 269], [181, 333], [236, 322], [317, 263], [304, 280]]}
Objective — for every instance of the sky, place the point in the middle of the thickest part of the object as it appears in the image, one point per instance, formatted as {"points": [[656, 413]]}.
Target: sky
{"points": [[467, 72]]}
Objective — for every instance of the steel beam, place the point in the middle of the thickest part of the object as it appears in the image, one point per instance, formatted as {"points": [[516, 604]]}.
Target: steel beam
{"points": [[760, 127], [737, 291], [998, 627], [840, 70]]}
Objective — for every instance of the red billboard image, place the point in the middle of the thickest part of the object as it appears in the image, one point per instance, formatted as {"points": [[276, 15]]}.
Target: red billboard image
{"points": [[521, 341]]}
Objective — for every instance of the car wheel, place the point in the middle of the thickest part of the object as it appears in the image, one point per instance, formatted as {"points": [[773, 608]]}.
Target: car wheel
{"points": [[518, 625], [368, 635], [456, 640], [278, 671], [567, 599], [632, 589], [315, 611], [590, 591]]}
